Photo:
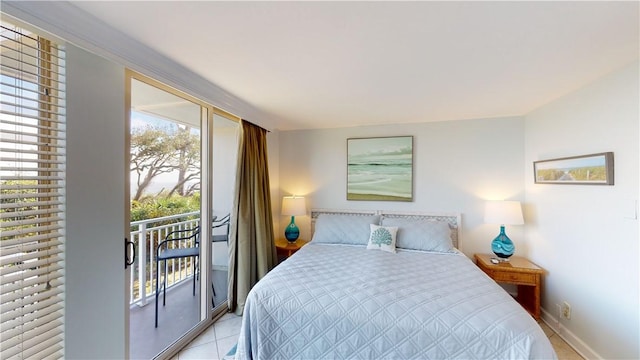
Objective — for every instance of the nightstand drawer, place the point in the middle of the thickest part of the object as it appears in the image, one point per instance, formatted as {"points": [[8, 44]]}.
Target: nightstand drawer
{"points": [[520, 278], [284, 248], [518, 271]]}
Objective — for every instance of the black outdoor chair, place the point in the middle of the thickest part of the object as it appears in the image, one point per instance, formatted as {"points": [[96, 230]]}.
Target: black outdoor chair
{"points": [[224, 221], [165, 253]]}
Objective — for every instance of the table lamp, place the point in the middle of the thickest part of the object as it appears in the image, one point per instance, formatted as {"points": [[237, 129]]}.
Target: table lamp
{"points": [[293, 205], [503, 213]]}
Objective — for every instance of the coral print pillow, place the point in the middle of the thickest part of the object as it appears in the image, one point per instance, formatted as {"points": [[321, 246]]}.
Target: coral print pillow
{"points": [[383, 238]]}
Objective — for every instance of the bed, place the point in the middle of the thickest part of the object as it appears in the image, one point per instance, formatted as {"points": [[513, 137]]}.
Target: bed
{"points": [[350, 293]]}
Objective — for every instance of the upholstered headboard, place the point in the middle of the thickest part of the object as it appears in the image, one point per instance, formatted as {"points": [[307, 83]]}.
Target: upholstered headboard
{"points": [[453, 219]]}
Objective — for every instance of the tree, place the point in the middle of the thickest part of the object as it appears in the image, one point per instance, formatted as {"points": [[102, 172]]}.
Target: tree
{"points": [[187, 148], [151, 155], [156, 151]]}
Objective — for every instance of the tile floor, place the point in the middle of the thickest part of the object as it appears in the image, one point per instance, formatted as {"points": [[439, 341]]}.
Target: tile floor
{"points": [[215, 342], [219, 338], [563, 350]]}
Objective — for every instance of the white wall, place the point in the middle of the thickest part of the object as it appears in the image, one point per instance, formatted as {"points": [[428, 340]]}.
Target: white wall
{"points": [[457, 165], [94, 260], [586, 237]]}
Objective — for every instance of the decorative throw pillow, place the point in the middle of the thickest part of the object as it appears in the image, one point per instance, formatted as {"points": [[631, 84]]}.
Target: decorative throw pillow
{"points": [[383, 238], [426, 235], [343, 229]]}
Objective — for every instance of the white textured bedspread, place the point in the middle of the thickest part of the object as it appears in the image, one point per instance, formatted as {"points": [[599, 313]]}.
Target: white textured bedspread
{"points": [[339, 302]]}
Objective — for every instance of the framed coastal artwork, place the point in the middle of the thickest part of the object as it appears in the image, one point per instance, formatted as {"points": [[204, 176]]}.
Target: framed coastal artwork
{"points": [[593, 169], [380, 168]]}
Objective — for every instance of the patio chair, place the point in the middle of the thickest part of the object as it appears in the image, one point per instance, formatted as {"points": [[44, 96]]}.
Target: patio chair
{"points": [[166, 253], [224, 221]]}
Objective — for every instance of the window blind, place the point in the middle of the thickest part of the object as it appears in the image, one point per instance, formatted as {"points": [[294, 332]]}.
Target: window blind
{"points": [[32, 169]]}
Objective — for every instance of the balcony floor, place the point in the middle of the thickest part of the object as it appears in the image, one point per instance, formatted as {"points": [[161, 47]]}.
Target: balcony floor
{"points": [[180, 314]]}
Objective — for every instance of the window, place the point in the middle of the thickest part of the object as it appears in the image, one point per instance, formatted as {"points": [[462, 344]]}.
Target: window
{"points": [[32, 168]]}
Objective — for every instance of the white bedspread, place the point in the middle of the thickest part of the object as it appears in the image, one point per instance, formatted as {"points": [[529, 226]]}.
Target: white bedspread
{"points": [[338, 302]]}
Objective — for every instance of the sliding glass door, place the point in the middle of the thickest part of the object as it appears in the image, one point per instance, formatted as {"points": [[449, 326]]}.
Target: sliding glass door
{"points": [[183, 159], [166, 227], [225, 149]]}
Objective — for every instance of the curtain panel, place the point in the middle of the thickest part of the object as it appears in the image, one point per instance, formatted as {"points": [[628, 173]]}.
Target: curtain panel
{"points": [[252, 251]]}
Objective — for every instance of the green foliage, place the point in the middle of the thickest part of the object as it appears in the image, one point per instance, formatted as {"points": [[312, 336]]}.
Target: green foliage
{"points": [[23, 188], [158, 206], [549, 175], [592, 173]]}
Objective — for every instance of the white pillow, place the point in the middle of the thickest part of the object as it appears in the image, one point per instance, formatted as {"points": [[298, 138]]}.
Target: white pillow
{"points": [[343, 228], [426, 235], [383, 238]]}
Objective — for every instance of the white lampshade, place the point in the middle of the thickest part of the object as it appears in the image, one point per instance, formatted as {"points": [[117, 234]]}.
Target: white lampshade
{"points": [[503, 212], [293, 205]]}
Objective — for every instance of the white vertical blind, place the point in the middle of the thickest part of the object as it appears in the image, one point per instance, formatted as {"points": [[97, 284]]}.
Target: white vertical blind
{"points": [[32, 168]]}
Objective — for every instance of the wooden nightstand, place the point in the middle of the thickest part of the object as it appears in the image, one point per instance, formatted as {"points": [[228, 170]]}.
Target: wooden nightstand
{"points": [[518, 271], [286, 248]]}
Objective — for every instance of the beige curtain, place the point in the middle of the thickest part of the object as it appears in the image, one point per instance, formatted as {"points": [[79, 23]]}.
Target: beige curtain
{"points": [[252, 251]]}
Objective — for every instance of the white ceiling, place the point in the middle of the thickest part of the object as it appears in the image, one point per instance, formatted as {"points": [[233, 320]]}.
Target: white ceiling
{"points": [[336, 64], [161, 104]]}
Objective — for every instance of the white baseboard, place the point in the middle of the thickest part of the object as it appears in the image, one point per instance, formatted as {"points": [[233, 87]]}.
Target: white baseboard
{"points": [[570, 338]]}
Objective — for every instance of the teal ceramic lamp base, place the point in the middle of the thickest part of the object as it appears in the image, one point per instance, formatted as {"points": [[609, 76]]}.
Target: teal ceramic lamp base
{"points": [[502, 246], [292, 232]]}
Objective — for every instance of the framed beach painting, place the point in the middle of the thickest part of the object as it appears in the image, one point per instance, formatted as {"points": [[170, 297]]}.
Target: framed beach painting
{"points": [[380, 168], [593, 169]]}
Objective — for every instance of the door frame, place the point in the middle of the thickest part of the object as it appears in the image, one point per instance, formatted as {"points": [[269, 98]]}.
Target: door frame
{"points": [[207, 314]]}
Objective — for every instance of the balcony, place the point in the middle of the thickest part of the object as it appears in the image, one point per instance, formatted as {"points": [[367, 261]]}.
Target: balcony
{"points": [[181, 312]]}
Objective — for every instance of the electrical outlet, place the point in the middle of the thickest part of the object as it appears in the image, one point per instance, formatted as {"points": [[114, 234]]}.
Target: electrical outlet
{"points": [[566, 310]]}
